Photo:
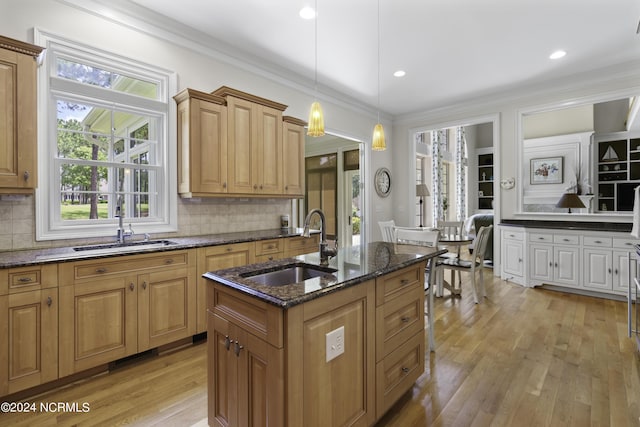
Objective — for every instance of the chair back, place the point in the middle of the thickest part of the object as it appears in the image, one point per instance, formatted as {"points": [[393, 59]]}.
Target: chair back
{"points": [[451, 228], [417, 237], [482, 239], [387, 229]]}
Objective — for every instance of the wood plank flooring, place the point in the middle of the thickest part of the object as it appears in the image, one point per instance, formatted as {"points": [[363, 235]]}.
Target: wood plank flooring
{"points": [[523, 357]]}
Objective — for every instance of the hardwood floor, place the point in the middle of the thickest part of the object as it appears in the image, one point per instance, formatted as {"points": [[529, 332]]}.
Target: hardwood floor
{"points": [[522, 357]]}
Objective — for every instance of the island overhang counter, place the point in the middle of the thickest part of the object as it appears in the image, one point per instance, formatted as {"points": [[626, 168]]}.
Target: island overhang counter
{"points": [[338, 349]]}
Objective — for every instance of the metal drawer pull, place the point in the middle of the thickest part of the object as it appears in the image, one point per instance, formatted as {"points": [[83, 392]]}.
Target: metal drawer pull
{"points": [[238, 347], [405, 370], [540, 238], [49, 301], [609, 271], [227, 342], [566, 240], [26, 175], [168, 261], [24, 279], [144, 285], [131, 286], [101, 270], [615, 271], [404, 319], [597, 241], [404, 281]]}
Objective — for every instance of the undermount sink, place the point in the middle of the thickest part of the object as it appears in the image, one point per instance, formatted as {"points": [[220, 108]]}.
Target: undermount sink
{"points": [[289, 274], [115, 247]]}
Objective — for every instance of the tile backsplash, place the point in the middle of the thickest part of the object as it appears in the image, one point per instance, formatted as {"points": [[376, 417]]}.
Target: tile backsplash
{"points": [[195, 217]]}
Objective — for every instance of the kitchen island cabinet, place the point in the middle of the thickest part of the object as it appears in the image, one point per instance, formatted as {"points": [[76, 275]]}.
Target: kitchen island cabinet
{"points": [[374, 301]]}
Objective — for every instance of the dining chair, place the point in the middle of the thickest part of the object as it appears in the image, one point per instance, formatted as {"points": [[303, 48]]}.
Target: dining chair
{"points": [[388, 232], [451, 228], [424, 238], [476, 263]]}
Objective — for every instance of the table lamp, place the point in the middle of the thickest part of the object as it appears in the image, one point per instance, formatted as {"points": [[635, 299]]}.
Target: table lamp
{"points": [[570, 200], [422, 191]]}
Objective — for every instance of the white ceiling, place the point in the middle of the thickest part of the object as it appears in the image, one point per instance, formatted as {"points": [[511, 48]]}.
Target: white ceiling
{"points": [[451, 50]]}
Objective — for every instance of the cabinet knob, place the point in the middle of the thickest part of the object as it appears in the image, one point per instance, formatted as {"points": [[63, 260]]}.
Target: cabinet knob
{"points": [[131, 286], [556, 264], [540, 238], [26, 175], [144, 285], [224, 185], [519, 259], [24, 279], [404, 319], [405, 369], [609, 270], [237, 348], [286, 187], [101, 270], [227, 342], [597, 241], [566, 240], [255, 186], [404, 281], [49, 301], [615, 271], [550, 264], [168, 261]]}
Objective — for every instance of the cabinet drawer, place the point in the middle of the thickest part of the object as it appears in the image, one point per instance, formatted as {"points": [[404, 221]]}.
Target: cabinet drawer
{"points": [[398, 320], [127, 264], [263, 320], [269, 257], [267, 247], [622, 243], [396, 373], [394, 284], [301, 245], [541, 238], [512, 235], [566, 239], [30, 278], [598, 241]]}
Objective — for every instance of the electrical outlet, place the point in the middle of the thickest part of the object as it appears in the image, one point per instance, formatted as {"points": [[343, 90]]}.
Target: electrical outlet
{"points": [[335, 343]]}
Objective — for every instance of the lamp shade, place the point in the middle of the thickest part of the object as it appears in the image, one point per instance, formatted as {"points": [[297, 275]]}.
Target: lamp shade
{"points": [[316, 120], [379, 143], [422, 190], [570, 200]]}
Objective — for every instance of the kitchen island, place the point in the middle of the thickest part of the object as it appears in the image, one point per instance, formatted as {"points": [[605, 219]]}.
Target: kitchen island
{"points": [[336, 349]]}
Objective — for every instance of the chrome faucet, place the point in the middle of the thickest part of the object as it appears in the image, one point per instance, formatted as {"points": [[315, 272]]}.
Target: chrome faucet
{"points": [[325, 251], [122, 234]]}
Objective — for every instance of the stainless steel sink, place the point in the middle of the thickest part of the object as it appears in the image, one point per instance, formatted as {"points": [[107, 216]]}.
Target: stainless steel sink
{"points": [[289, 274], [115, 247]]}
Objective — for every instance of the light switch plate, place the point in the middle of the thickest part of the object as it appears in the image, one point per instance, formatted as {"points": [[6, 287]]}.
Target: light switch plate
{"points": [[335, 343]]}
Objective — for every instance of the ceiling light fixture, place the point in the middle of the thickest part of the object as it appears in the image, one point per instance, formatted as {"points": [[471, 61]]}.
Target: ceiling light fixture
{"points": [[399, 73], [307, 12], [316, 117], [557, 54], [378, 143]]}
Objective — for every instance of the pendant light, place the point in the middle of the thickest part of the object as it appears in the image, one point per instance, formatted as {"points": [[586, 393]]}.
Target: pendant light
{"points": [[316, 117], [378, 143]]}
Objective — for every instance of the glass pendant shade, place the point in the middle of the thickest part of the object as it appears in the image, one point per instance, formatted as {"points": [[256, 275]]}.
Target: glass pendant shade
{"points": [[316, 120], [379, 143]]}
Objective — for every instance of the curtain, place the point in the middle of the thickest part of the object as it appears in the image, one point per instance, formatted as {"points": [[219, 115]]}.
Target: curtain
{"points": [[461, 180], [438, 140]]}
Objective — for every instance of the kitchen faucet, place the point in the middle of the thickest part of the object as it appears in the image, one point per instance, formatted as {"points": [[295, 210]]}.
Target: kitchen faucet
{"points": [[325, 251], [122, 234]]}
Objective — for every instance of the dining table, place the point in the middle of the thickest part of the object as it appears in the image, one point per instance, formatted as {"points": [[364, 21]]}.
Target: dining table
{"points": [[456, 241]]}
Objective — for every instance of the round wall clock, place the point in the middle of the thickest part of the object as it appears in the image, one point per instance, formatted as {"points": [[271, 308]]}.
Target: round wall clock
{"points": [[382, 182]]}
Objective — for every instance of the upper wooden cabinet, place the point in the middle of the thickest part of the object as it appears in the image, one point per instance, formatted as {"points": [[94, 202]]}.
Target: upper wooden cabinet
{"points": [[18, 112], [234, 143]]}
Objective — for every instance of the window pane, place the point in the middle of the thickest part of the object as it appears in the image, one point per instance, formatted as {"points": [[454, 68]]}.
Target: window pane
{"points": [[96, 76]]}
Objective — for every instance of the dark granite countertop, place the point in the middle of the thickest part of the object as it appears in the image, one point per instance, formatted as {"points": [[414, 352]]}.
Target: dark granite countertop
{"points": [[618, 227], [354, 264], [23, 258]]}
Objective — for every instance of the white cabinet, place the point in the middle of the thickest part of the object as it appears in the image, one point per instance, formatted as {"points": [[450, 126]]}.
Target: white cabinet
{"points": [[554, 264], [606, 261], [513, 256]]}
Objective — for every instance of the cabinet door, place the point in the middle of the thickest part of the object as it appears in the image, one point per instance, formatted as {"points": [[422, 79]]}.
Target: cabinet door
{"points": [[512, 257], [217, 258], [620, 262], [17, 121], [597, 269], [202, 156], [98, 323], [268, 159], [293, 156], [29, 341], [566, 265], [541, 263], [221, 373], [241, 134], [166, 307]]}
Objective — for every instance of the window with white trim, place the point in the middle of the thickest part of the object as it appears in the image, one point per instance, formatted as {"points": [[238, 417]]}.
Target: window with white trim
{"points": [[103, 143]]}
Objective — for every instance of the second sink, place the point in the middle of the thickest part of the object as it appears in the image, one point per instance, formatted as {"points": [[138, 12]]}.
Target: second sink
{"points": [[289, 274]]}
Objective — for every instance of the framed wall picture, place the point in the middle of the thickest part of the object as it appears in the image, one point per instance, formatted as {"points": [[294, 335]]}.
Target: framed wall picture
{"points": [[547, 170]]}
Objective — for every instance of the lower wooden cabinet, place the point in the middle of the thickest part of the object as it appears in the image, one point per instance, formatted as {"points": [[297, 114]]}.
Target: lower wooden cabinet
{"points": [[267, 366], [110, 309], [28, 327]]}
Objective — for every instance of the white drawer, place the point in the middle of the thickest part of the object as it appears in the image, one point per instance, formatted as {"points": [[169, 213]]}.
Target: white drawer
{"points": [[566, 239], [512, 235], [541, 238], [627, 244], [598, 241]]}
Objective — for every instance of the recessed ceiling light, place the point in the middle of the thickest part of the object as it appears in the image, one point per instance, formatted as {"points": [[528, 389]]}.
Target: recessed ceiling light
{"points": [[557, 54], [399, 73], [307, 12]]}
